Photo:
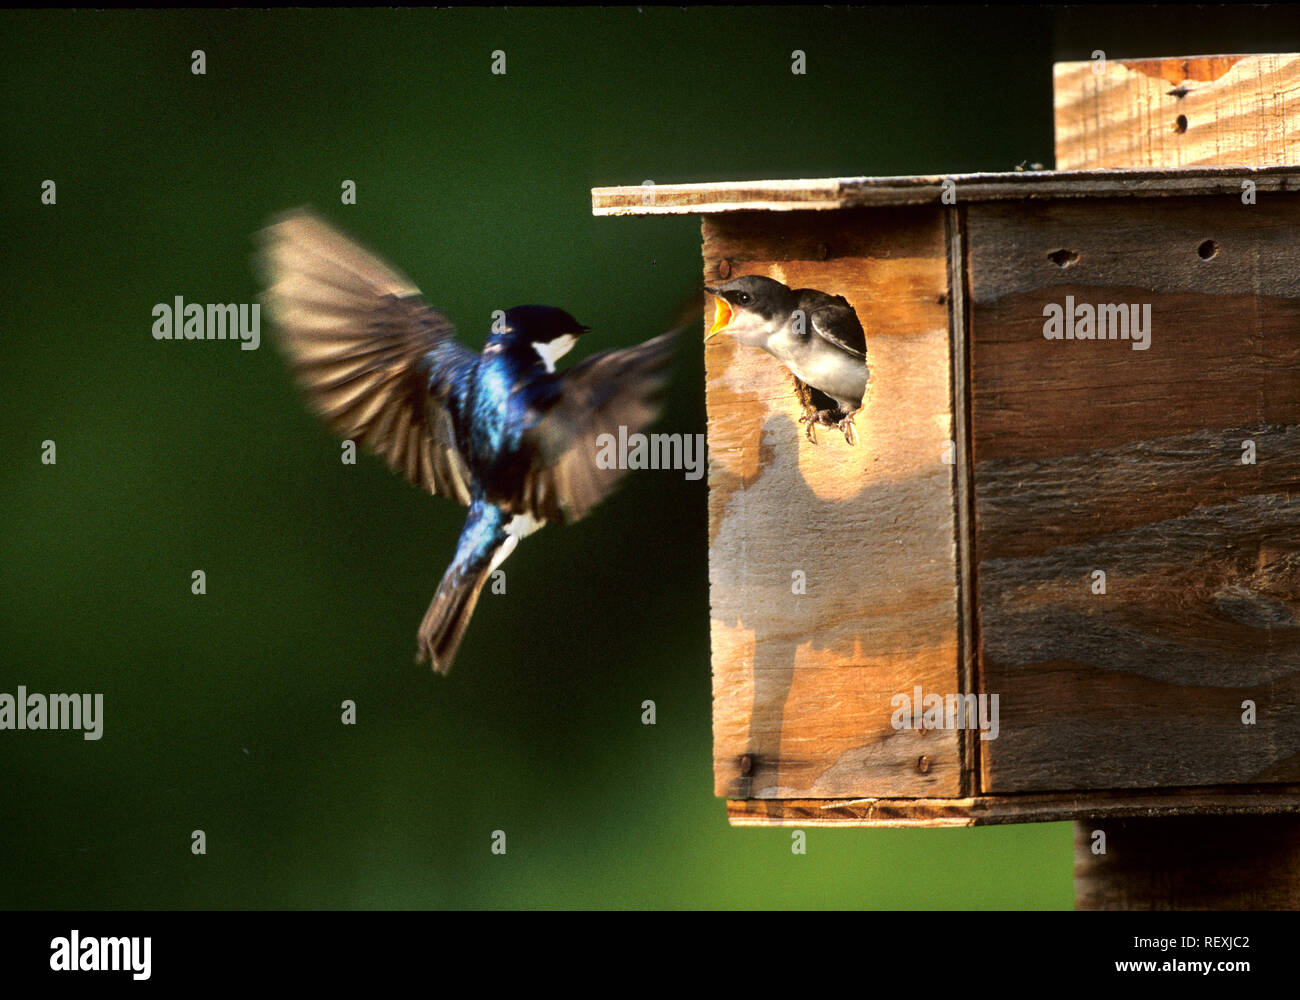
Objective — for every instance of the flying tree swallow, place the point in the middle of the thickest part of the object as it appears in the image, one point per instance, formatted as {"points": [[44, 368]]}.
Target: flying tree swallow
{"points": [[815, 335], [501, 432]]}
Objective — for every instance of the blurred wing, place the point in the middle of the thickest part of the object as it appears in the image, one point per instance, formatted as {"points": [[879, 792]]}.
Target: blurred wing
{"points": [[375, 360], [613, 389]]}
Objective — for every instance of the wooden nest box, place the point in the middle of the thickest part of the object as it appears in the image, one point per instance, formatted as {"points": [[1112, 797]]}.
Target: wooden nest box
{"points": [[1103, 533]]}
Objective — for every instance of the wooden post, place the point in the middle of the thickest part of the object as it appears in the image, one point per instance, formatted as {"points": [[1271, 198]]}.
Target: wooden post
{"points": [[1203, 111], [1189, 863], [1192, 111]]}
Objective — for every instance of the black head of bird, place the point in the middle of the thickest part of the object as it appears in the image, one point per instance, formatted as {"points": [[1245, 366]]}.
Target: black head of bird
{"points": [[536, 333], [752, 310]]}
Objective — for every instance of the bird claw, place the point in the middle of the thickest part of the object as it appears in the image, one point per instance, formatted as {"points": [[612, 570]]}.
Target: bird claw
{"points": [[838, 419]]}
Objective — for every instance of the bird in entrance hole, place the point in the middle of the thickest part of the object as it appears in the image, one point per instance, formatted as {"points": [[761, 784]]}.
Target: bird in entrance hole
{"points": [[816, 336], [501, 431]]}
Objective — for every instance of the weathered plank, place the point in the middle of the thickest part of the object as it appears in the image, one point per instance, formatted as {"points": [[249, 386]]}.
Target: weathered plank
{"points": [[1179, 112], [1092, 456], [993, 810], [827, 194], [803, 683], [963, 479]]}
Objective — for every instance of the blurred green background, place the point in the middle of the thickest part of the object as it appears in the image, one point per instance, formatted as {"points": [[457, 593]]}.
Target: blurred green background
{"points": [[222, 711]]}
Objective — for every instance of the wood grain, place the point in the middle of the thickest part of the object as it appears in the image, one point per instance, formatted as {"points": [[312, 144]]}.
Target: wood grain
{"points": [[1092, 456], [828, 194], [802, 683], [1181, 112], [994, 810]]}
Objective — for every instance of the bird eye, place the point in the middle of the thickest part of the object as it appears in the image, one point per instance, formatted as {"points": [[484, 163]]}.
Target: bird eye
{"points": [[742, 298]]}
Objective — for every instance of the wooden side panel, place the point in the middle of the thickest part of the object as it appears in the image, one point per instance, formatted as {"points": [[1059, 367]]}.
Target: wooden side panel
{"points": [[803, 682], [1182, 112], [1175, 470]]}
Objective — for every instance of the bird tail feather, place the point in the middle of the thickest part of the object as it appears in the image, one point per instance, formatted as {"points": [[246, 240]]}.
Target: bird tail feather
{"points": [[449, 613]]}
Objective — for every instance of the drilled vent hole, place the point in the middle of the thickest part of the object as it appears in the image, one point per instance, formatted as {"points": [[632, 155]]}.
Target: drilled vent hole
{"points": [[1063, 258], [1180, 124], [1207, 250]]}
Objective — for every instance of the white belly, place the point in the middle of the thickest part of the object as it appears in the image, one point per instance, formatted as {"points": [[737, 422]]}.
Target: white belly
{"points": [[844, 383], [519, 526]]}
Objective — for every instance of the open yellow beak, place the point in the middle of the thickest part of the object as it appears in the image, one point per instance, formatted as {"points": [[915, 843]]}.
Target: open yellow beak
{"points": [[721, 317]]}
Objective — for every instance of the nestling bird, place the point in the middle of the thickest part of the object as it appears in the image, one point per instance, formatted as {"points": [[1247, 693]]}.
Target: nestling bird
{"points": [[501, 432], [815, 335]]}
